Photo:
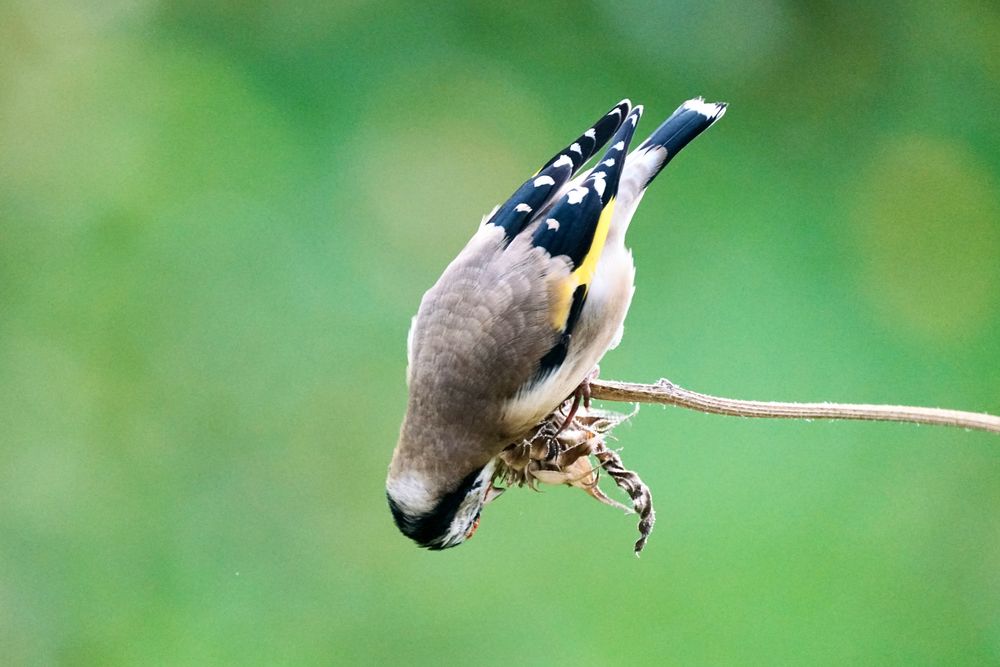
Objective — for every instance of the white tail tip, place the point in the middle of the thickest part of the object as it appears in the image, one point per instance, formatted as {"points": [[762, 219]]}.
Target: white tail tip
{"points": [[706, 109]]}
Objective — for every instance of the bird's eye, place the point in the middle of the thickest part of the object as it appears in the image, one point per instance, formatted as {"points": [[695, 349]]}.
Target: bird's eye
{"points": [[472, 528]]}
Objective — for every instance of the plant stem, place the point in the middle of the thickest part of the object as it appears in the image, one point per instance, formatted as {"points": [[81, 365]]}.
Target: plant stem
{"points": [[667, 393]]}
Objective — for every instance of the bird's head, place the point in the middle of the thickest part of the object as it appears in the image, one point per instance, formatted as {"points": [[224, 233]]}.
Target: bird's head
{"points": [[437, 519]]}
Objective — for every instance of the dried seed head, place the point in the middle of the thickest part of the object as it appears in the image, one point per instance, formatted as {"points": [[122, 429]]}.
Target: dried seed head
{"points": [[562, 454]]}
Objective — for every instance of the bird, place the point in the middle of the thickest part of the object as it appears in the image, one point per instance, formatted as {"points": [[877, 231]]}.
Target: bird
{"points": [[519, 320]]}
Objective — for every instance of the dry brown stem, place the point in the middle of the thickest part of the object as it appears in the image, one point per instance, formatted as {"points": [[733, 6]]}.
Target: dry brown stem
{"points": [[667, 393]]}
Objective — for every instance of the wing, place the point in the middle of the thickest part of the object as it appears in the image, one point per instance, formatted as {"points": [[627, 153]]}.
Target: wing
{"points": [[576, 227], [537, 192]]}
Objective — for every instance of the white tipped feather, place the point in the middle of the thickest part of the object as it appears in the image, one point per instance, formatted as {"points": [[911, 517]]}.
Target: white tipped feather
{"points": [[706, 109]]}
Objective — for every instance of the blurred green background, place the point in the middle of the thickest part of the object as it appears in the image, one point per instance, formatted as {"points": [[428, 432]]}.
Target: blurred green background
{"points": [[216, 220]]}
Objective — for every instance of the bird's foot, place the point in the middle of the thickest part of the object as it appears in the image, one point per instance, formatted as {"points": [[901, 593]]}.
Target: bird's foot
{"points": [[581, 395]]}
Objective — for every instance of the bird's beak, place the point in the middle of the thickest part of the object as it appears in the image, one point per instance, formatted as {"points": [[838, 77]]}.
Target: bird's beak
{"points": [[492, 493]]}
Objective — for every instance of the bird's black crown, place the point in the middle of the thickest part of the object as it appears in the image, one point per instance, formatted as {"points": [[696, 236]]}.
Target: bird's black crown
{"points": [[430, 530]]}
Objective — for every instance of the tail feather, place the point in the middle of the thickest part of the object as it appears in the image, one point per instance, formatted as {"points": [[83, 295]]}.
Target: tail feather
{"points": [[645, 162], [687, 122]]}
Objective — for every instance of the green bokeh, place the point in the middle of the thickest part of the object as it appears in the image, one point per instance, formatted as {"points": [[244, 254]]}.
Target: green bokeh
{"points": [[216, 220]]}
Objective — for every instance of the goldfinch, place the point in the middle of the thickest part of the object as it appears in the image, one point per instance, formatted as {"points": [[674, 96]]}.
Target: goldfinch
{"points": [[521, 317]]}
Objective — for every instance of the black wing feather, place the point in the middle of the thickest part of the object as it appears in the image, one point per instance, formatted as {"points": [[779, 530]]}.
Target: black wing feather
{"points": [[517, 212], [569, 226], [569, 229], [591, 141]]}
